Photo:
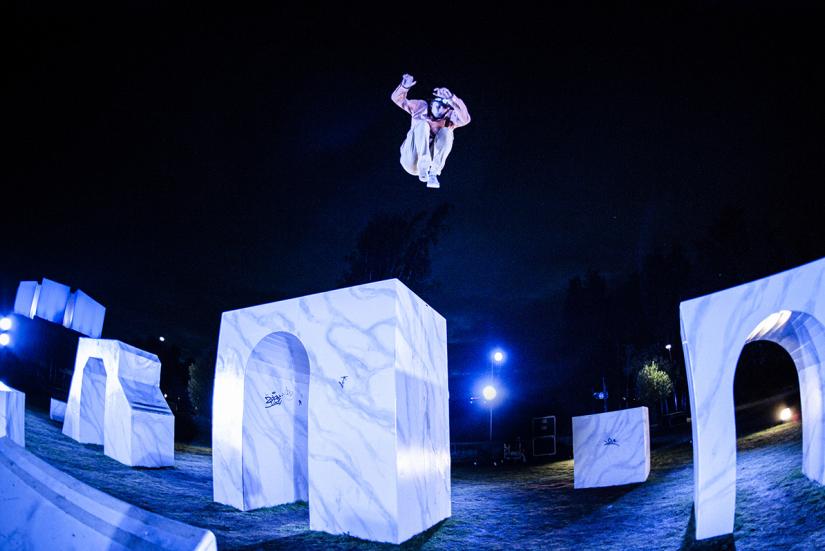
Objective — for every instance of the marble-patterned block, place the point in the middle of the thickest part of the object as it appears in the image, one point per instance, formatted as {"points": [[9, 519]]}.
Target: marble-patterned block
{"points": [[611, 448], [787, 308], [44, 508], [87, 315], [52, 301], [57, 410], [12, 414], [115, 400], [341, 399], [25, 301]]}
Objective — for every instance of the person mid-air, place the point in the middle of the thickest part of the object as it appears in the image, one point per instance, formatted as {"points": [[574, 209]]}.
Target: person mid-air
{"points": [[430, 138]]}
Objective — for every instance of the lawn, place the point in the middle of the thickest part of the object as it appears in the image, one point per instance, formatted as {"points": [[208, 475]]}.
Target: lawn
{"points": [[515, 507]]}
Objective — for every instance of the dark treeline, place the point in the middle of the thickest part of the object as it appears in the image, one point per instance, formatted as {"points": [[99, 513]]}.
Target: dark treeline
{"points": [[609, 329]]}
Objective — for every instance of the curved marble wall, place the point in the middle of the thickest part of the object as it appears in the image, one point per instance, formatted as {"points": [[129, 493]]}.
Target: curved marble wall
{"points": [[44, 508]]}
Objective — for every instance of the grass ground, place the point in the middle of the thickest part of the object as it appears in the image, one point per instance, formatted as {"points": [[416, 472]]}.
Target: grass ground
{"points": [[523, 507]]}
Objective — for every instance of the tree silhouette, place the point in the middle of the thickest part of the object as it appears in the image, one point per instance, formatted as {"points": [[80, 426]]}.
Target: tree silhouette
{"points": [[397, 246]]}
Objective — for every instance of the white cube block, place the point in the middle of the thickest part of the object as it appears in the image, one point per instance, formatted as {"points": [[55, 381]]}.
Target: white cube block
{"points": [[612, 448], [339, 398], [57, 410], [12, 414]]}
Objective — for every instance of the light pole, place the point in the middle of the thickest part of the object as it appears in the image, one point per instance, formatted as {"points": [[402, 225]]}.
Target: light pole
{"points": [[675, 395], [496, 358]]}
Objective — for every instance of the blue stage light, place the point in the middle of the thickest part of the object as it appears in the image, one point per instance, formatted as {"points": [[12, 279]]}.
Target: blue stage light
{"points": [[5, 339], [5, 324]]}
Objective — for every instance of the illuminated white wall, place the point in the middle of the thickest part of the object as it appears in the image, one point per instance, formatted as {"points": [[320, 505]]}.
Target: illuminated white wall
{"points": [[611, 448], [787, 308], [51, 303], [115, 400], [56, 303], [339, 398], [25, 301], [12, 414]]}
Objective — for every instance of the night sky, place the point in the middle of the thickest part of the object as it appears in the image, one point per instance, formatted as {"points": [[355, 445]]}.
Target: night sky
{"points": [[174, 165]]}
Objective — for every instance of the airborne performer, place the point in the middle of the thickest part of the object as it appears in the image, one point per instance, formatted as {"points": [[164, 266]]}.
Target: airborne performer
{"points": [[430, 138]]}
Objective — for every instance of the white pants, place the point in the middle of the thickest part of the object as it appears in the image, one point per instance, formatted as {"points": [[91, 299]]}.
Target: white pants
{"points": [[415, 151]]}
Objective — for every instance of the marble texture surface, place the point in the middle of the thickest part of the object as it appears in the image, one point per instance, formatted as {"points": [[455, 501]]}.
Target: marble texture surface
{"points": [[57, 410], [340, 398], [787, 308], [52, 301], [25, 301], [115, 400], [56, 302], [611, 448], [44, 508], [12, 414], [87, 315]]}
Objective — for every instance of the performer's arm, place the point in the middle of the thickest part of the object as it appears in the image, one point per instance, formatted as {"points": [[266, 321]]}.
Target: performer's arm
{"points": [[460, 116], [399, 96]]}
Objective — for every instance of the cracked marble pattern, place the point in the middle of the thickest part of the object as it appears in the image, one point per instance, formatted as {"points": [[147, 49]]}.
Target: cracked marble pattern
{"points": [[115, 400], [611, 448], [787, 308], [341, 399]]}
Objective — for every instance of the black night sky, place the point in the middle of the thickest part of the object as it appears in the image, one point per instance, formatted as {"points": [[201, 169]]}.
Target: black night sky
{"points": [[174, 165]]}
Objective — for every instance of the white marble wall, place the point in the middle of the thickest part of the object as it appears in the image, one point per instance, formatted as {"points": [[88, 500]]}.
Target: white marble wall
{"points": [[355, 381], [57, 410], [787, 308], [44, 508], [611, 448], [115, 400], [12, 414]]}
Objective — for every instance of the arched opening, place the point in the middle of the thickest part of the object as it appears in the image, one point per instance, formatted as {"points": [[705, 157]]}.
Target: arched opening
{"points": [[92, 402], [765, 383], [275, 415], [803, 338]]}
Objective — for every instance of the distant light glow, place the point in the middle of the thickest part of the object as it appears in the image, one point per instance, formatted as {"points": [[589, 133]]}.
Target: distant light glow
{"points": [[5, 339], [5, 324], [489, 392], [497, 355], [785, 414], [668, 347], [162, 339]]}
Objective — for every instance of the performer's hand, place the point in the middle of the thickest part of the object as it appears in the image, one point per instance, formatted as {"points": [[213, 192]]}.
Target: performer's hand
{"points": [[407, 81], [442, 93]]}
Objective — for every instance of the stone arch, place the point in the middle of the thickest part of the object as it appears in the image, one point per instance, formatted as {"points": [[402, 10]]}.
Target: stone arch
{"points": [[787, 308]]}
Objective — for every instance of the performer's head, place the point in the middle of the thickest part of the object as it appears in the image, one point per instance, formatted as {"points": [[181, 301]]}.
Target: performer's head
{"points": [[438, 108]]}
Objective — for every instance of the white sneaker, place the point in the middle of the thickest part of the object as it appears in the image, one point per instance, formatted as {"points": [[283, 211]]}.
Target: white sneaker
{"points": [[423, 171], [432, 181]]}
